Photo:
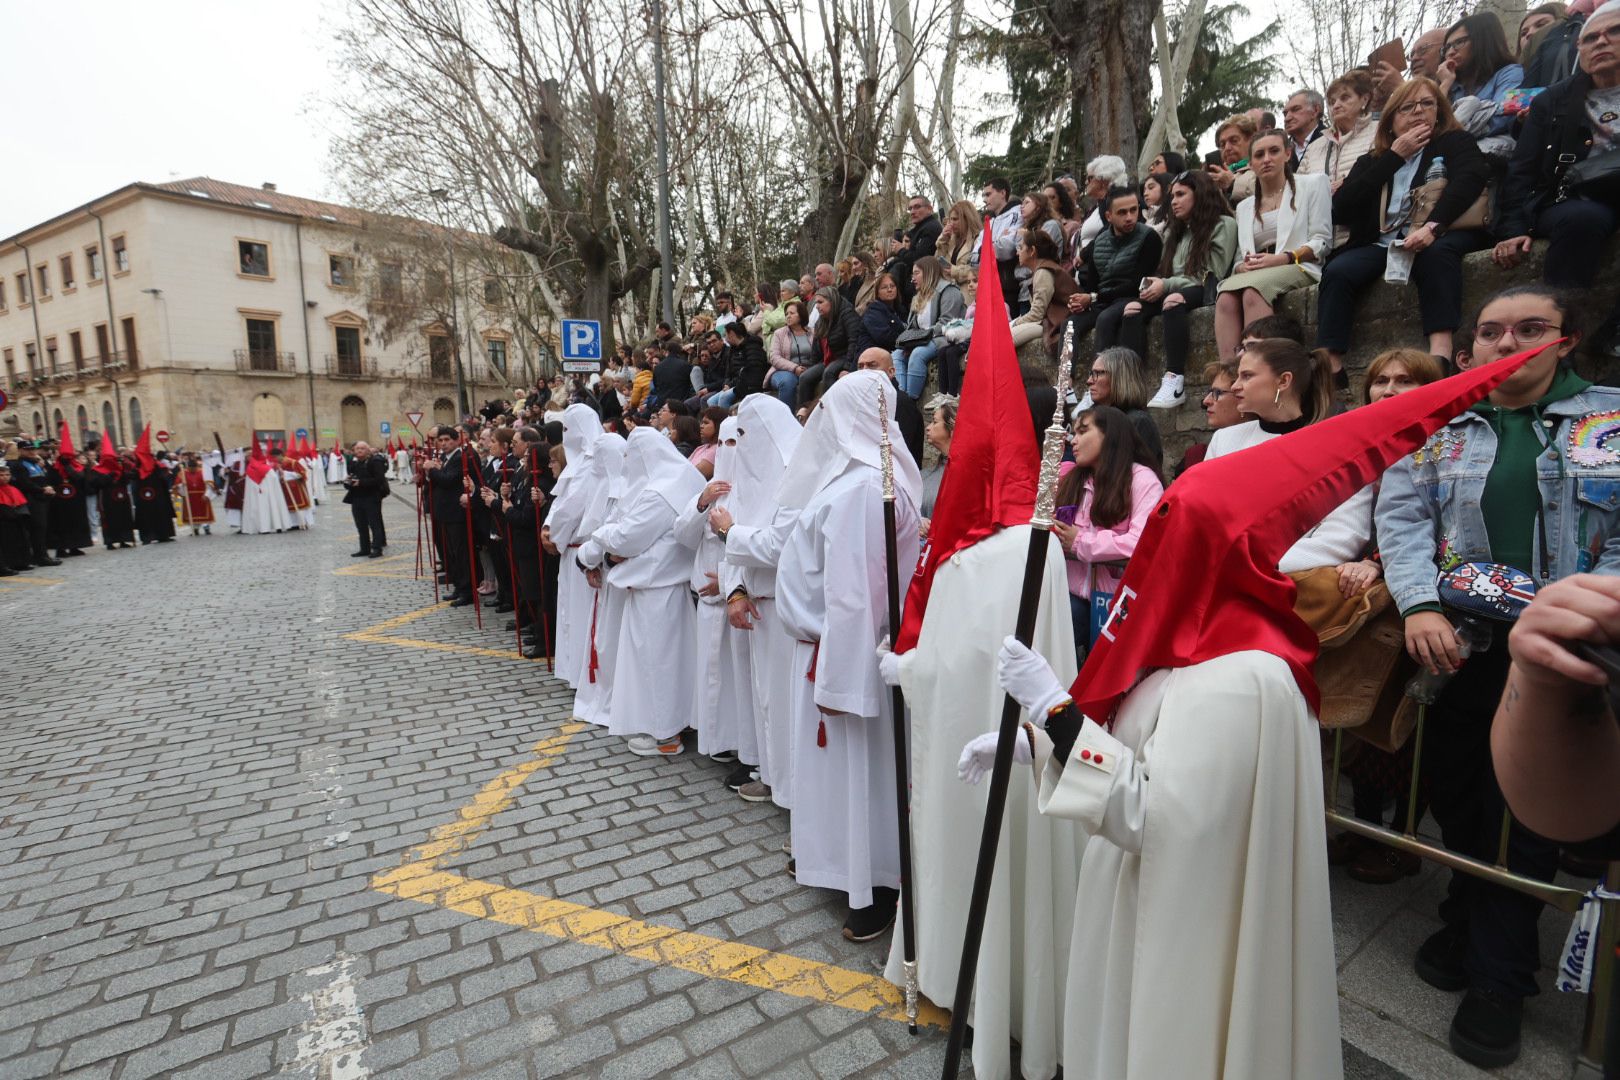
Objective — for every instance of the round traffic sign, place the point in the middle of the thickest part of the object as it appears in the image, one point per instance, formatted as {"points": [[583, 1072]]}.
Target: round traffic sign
{"points": [[163, 436], [4, 400]]}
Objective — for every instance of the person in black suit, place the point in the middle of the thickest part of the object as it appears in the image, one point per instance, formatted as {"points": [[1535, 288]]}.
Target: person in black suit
{"points": [[454, 485], [368, 487]]}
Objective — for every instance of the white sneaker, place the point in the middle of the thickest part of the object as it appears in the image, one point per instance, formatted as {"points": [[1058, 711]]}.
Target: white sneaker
{"points": [[647, 746], [1084, 403], [1172, 392]]}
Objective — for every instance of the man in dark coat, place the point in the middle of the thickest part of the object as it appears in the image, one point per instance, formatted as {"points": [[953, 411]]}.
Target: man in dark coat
{"points": [[368, 487], [69, 523], [16, 551], [454, 483], [28, 474], [920, 240]]}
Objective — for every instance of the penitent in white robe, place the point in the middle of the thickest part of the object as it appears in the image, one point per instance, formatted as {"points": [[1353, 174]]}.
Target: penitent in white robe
{"points": [[337, 468], [752, 553], [831, 589], [723, 699], [264, 506], [1203, 942], [951, 691]]}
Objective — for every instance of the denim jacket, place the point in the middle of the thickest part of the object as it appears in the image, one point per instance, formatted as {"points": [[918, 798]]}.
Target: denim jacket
{"points": [[1429, 517]]}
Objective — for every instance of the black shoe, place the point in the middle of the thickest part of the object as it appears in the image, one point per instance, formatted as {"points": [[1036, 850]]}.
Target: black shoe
{"points": [[511, 625], [50, 562], [444, 579], [868, 923], [724, 757], [534, 652], [461, 600], [75, 553], [739, 776], [1439, 960], [165, 539], [375, 554], [7, 573], [503, 607], [358, 554], [1485, 1031]]}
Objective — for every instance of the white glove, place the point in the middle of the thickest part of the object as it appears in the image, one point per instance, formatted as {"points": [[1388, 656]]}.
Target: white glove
{"points": [[1028, 678], [979, 755], [888, 664]]}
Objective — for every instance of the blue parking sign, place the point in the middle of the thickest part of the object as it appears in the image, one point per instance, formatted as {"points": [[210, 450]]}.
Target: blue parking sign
{"points": [[387, 428], [581, 339]]}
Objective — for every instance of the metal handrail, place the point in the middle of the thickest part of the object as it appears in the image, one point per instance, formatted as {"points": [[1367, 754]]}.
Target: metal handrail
{"points": [[339, 366], [265, 362]]}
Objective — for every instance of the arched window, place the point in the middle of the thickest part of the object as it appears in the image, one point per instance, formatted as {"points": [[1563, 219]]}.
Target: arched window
{"points": [[83, 418], [56, 422], [109, 423], [355, 426], [136, 421], [444, 411], [39, 424]]}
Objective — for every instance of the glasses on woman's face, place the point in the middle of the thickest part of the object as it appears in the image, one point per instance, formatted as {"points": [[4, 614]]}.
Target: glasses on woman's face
{"points": [[1455, 44], [1525, 331], [1096, 373], [1213, 395], [1412, 108]]}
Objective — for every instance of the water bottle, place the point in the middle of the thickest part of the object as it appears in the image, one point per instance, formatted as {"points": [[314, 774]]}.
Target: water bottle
{"points": [[1437, 170], [1473, 635]]}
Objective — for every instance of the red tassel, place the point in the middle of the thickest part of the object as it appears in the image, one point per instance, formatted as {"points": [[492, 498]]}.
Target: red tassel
{"points": [[595, 600], [821, 734], [815, 654]]}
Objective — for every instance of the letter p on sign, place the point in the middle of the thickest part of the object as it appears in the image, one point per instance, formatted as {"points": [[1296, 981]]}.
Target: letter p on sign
{"points": [[582, 339]]}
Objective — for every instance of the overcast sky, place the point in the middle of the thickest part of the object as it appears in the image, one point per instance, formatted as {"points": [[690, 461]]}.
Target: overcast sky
{"points": [[163, 90]]}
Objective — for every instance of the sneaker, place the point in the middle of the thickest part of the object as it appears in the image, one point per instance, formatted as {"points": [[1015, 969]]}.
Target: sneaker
{"points": [[1485, 1031], [739, 776], [1084, 403], [1439, 960], [1172, 392], [868, 923], [647, 746], [724, 757], [756, 791]]}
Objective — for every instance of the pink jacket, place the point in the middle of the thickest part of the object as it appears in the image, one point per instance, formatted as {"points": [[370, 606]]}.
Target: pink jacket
{"points": [[1094, 546]]}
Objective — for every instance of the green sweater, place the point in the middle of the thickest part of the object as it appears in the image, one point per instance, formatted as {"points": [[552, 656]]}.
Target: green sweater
{"points": [[1511, 501], [1223, 244]]}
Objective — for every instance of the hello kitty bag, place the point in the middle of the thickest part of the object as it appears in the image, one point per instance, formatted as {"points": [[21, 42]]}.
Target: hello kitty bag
{"points": [[1487, 590]]}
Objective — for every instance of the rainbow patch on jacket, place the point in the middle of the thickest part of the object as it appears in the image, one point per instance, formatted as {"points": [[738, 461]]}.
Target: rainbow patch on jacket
{"points": [[1595, 439]]}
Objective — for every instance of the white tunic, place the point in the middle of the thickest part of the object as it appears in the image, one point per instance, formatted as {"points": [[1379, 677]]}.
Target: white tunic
{"points": [[831, 592], [1203, 946], [264, 506], [752, 553], [723, 695], [953, 696]]}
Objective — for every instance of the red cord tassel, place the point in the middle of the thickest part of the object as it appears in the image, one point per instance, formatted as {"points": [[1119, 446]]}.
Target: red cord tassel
{"points": [[815, 654], [821, 734], [595, 600]]}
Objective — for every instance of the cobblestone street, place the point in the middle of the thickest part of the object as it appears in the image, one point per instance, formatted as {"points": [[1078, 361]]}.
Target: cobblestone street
{"points": [[269, 810]]}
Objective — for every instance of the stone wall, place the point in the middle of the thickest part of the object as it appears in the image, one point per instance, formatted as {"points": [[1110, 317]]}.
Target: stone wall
{"points": [[1386, 318]]}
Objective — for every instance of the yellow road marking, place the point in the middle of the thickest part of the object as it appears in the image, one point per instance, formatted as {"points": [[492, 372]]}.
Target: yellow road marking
{"points": [[369, 568], [21, 579], [421, 878], [378, 635]]}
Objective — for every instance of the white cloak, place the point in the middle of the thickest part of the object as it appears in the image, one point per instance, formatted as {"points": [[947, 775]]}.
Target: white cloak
{"points": [[752, 554], [1203, 945], [723, 699], [831, 590], [953, 696], [264, 506], [337, 468]]}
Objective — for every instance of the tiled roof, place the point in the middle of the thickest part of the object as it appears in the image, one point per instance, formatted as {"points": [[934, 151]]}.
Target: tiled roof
{"points": [[259, 198]]}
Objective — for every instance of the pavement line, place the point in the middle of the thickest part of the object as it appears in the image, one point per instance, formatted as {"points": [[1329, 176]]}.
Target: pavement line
{"points": [[333, 1042], [378, 635], [713, 958], [420, 878], [21, 580], [368, 568]]}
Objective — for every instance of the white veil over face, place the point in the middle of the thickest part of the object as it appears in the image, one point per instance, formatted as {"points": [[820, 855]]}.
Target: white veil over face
{"points": [[842, 430], [726, 457], [651, 463], [582, 438], [767, 433]]}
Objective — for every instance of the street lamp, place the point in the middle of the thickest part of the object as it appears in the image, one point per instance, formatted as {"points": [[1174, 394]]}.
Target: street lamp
{"points": [[442, 197]]}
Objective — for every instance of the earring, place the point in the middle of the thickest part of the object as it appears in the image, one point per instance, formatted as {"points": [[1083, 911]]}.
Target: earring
{"points": [[1276, 399]]}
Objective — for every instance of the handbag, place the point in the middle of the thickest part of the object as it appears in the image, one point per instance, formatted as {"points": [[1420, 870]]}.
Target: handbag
{"points": [[912, 337], [1596, 178], [1427, 197]]}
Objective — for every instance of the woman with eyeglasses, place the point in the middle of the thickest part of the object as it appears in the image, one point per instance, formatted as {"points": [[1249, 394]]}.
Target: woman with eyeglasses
{"points": [[1118, 378], [1198, 249], [1528, 478], [1352, 124], [1568, 123], [1398, 226], [1285, 230], [1478, 63], [1220, 409]]}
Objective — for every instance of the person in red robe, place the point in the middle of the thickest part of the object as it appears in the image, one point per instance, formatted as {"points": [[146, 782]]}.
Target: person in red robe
{"points": [[16, 551], [196, 509], [295, 488]]}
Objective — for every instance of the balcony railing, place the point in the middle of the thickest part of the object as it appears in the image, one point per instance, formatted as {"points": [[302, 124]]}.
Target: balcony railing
{"points": [[265, 362], [339, 366]]}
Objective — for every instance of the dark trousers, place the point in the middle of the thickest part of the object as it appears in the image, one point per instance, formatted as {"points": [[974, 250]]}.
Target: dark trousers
{"points": [[817, 378], [368, 522], [1577, 231], [453, 549], [1500, 923], [38, 523], [499, 558], [1106, 318], [1436, 272], [1133, 329]]}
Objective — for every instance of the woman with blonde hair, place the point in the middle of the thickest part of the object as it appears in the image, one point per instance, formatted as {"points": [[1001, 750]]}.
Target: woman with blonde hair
{"points": [[959, 247], [935, 301]]}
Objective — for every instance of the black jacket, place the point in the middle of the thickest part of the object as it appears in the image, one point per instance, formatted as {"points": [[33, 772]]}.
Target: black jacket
{"points": [[882, 324], [1116, 274], [370, 479], [1356, 203], [672, 380], [446, 481], [846, 337], [746, 365], [1555, 135]]}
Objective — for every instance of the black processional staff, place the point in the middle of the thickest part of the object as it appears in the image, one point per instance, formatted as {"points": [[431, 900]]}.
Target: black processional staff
{"points": [[416, 478], [902, 754], [511, 560], [1001, 774], [540, 555], [472, 552]]}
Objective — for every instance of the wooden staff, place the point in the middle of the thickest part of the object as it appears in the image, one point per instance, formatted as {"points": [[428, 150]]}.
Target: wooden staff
{"points": [[1001, 774], [902, 755], [511, 561]]}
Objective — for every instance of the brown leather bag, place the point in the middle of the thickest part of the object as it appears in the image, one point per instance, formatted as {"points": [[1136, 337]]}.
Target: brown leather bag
{"points": [[1426, 197], [1057, 311]]}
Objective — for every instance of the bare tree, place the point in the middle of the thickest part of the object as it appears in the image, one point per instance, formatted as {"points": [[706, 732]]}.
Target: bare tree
{"points": [[1329, 37]]}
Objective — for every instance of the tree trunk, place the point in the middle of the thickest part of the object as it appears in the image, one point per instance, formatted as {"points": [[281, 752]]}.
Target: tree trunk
{"points": [[1108, 52]]}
